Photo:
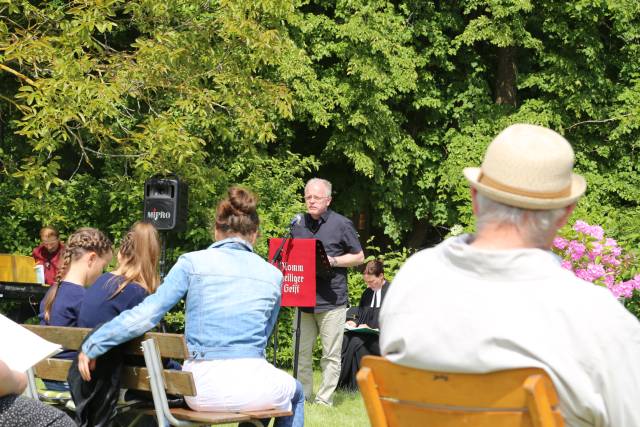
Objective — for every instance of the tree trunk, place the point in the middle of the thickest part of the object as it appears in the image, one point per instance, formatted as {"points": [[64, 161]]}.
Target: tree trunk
{"points": [[506, 76]]}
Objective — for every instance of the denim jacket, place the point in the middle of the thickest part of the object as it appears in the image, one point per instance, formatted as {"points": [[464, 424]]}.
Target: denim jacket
{"points": [[232, 302]]}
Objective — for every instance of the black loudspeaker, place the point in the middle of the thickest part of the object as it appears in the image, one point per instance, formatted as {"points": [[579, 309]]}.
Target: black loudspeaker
{"points": [[166, 203]]}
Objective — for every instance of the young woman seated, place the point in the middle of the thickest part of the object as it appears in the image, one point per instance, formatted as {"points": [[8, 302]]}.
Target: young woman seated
{"points": [[134, 278], [85, 256], [232, 301]]}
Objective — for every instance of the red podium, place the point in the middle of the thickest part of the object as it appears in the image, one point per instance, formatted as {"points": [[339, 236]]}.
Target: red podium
{"points": [[301, 262]]}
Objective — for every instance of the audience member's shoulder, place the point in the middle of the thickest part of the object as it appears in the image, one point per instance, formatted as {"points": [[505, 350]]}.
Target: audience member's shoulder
{"points": [[415, 267], [103, 278], [423, 256], [195, 257], [581, 287], [596, 300], [274, 272], [71, 288]]}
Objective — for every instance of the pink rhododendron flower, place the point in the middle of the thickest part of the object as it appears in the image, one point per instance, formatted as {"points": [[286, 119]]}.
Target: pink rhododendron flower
{"points": [[596, 249], [595, 258], [596, 231], [560, 242], [581, 227], [576, 250], [583, 274], [609, 280], [624, 289], [595, 271]]}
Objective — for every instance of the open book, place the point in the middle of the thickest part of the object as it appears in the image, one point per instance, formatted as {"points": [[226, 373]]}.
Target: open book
{"points": [[363, 329], [21, 348]]}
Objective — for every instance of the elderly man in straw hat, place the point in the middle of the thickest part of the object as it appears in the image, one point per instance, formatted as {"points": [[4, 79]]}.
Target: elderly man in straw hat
{"points": [[499, 299]]}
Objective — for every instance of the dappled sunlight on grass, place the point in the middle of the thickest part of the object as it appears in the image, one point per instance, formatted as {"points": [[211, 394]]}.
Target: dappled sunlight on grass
{"points": [[348, 409]]}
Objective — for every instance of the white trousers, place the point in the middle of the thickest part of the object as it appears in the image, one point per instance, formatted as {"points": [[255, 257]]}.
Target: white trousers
{"points": [[239, 385]]}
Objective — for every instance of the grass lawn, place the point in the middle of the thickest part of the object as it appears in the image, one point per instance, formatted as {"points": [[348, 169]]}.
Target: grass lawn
{"points": [[348, 410]]}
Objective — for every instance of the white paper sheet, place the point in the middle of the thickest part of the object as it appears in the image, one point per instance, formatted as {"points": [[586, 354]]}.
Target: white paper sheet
{"points": [[21, 348]]}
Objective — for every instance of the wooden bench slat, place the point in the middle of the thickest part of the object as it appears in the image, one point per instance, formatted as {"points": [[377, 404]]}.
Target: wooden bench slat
{"points": [[177, 382], [169, 345], [52, 369], [133, 377], [67, 337], [209, 417], [267, 413]]}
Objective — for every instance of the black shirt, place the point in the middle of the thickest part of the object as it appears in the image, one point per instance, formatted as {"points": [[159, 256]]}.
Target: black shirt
{"points": [[339, 237]]}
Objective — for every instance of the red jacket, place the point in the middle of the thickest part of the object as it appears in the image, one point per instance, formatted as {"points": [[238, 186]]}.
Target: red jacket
{"points": [[50, 262]]}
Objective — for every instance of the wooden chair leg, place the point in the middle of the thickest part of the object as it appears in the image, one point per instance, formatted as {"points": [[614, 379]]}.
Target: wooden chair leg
{"points": [[371, 397], [538, 402]]}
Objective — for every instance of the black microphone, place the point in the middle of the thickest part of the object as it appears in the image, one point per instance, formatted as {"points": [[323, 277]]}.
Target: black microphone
{"points": [[277, 257]]}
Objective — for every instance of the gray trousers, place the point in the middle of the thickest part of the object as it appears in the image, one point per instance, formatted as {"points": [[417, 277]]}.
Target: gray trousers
{"points": [[330, 326]]}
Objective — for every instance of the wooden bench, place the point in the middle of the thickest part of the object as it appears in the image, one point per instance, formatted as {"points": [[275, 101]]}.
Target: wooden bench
{"points": [[151, 377]]}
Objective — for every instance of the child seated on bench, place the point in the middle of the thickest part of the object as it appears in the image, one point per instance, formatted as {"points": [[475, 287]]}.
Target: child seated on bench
{"points": [[85, 256], [232, 303], [135, 277]]}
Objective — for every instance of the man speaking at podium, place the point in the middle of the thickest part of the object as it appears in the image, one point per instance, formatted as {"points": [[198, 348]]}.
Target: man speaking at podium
{"points": [[340, 241]]}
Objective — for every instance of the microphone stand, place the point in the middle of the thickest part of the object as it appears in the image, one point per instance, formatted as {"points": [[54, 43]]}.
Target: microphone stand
{"points": [[277, 256], [277, 260]]}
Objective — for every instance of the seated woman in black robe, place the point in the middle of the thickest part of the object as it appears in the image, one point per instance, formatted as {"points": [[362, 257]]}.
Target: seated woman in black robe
{"points": [[364, 339]]}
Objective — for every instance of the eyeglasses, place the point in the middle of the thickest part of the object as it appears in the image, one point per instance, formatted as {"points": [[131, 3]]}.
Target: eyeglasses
{"points": [[314, 198]]}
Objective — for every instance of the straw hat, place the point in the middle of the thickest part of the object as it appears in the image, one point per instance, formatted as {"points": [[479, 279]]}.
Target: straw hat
{"points": [[528, 167]]}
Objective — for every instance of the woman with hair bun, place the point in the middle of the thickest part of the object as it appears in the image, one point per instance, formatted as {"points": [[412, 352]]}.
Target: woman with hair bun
{"points": [[232, 301]]}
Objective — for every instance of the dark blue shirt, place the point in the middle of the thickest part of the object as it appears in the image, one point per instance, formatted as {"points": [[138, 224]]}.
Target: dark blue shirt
{"points": [[101, 305], [65, 309], [339, 237]]}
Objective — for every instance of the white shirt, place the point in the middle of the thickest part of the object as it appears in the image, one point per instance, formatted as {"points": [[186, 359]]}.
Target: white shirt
{"points": [[377, 298], [460, 309]]}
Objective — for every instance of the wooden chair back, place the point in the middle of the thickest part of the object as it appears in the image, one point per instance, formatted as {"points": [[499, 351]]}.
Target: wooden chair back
{"points": [[133, 377], [396, 395]]}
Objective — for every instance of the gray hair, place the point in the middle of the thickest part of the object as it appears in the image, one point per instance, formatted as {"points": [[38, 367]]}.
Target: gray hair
{"points": [[537, 226], [321, 181]]}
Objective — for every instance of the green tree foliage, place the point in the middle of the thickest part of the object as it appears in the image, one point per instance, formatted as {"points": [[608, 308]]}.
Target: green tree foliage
{"points": [[418, 89], [100, 96]]}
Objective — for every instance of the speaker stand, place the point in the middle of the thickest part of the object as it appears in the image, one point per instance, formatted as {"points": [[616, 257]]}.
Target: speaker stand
{"points": [[163, 263], [163, 254]]}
